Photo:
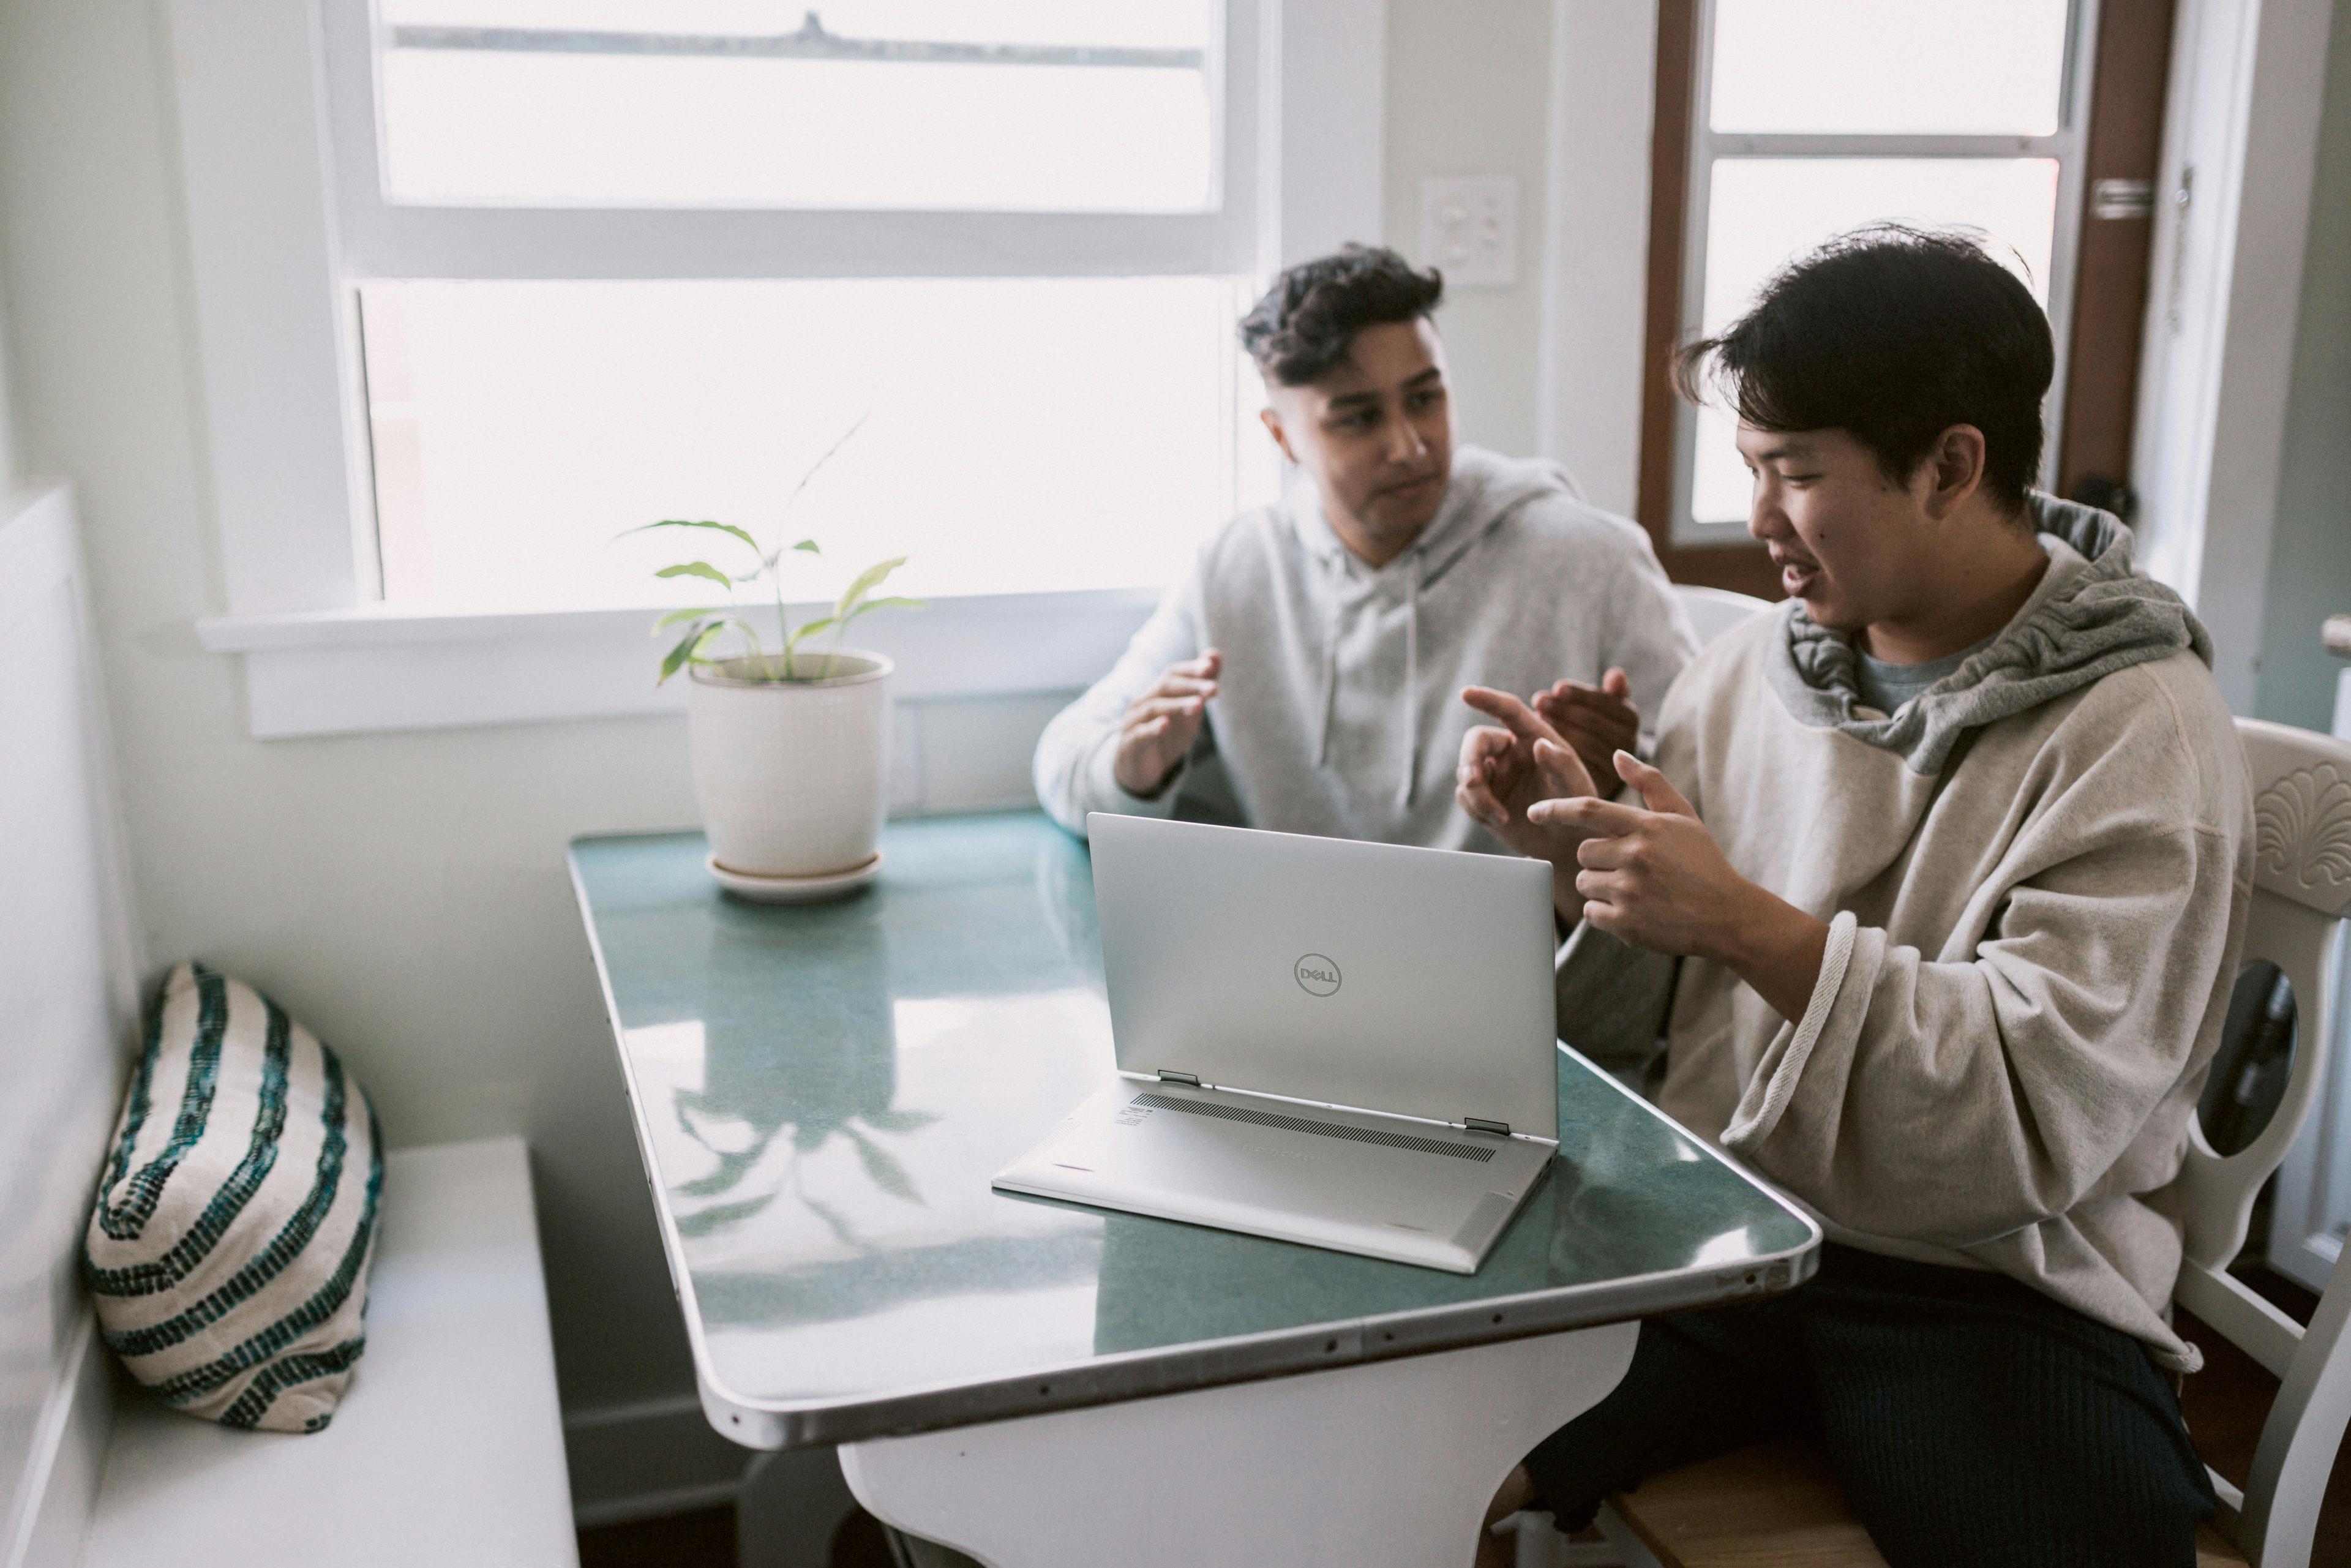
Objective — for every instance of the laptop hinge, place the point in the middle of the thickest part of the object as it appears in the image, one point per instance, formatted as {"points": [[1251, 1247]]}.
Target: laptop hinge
{"points": [[1167, 1076], [1479, 1124]]}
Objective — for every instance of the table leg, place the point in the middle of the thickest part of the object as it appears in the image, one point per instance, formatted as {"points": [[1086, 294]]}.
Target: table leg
{"points": [[1383, 1464], [792, 1504]]}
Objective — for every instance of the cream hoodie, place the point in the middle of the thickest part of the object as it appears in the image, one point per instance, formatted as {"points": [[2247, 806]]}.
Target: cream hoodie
{"points": [[2037, 875]]}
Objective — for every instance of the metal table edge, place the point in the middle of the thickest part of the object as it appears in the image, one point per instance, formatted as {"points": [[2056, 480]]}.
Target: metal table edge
{"points": [[1283, 1353], [681, 1279]]}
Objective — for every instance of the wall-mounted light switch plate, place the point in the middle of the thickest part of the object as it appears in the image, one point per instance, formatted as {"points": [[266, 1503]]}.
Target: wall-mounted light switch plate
{"points": [[1470, 229]]}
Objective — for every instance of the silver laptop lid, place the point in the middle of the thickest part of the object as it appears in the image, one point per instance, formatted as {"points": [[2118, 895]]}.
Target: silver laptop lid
{"points": [[1412, 982]]}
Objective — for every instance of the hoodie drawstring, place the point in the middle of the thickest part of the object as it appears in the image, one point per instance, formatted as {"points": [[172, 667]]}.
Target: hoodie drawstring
{"points": [[1412, 683], [1330, 669]]}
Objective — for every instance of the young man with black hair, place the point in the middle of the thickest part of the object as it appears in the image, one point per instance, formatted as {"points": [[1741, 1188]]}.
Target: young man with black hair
{"points": [[1306, 676], [1935, 892]]}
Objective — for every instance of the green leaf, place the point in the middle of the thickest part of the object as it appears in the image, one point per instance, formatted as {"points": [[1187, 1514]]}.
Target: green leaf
{"points": [[682, 523], [806, 629], [888, 601], [866, 582], [677, 656], [809, 546], [749, 633], [698, 569], [675, 616]]}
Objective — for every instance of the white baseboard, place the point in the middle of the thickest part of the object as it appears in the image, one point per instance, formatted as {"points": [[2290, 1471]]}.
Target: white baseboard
{"points": [[644, 1459]]}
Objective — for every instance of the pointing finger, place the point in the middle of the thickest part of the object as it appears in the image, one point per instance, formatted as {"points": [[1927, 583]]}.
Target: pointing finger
{"points": [[1655, 789], [1616, 682], [1562, 770], [1521, 719], [1587, 814]]}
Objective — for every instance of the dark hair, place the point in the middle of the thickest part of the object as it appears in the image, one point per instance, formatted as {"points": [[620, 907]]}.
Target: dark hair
{"points": [[1303, 325], [1893, 335]]}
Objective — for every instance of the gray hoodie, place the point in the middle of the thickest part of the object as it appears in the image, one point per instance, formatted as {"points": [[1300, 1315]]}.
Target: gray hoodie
{"points": [[1339, 711], [2036, 875]]}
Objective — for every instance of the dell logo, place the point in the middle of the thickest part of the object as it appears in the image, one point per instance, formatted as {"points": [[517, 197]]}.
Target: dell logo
{"points": [[1317, 975]]}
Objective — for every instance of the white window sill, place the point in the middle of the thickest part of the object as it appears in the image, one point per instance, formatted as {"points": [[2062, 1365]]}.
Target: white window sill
{"points": [[345, 672]]}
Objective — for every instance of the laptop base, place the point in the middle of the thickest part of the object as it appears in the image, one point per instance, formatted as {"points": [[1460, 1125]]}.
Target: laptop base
{"points": [[1351, 1181]]}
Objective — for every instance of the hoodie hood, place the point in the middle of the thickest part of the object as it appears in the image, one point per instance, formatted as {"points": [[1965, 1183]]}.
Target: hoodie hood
{"points": [[1482, 492], [2092, 613]]}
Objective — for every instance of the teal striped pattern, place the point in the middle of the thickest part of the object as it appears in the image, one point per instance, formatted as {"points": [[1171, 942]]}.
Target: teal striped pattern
{"points": [[228, 1247]]}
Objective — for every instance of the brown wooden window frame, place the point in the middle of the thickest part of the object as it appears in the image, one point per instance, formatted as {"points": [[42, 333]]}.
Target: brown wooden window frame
{"points": [[2110, 120]]}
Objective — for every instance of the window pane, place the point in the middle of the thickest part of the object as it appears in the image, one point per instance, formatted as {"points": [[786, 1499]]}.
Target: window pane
{"points": [[1020, 435], [930, 105], [1766, 211], [1991, 66]]}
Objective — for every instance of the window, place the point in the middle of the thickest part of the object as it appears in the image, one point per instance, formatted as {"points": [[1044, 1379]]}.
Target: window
{"points": [[1033, 106], [1012, 435], [1811, 117], [1015, 432], [481, 283]]}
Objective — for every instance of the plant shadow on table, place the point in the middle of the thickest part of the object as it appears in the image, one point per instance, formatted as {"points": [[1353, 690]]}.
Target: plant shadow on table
{"points": [[793, 1066], [818, 1066]]}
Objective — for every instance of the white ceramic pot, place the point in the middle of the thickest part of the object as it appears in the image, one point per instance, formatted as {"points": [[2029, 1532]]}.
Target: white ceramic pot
{"points": [[792, 774]]}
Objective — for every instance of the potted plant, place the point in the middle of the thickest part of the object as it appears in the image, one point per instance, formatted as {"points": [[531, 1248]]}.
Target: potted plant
{"points": [[791, 748]]}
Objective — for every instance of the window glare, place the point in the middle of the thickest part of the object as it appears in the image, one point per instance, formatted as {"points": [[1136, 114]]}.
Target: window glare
{"points": [[580, 119], [1888, 66], [1764, 211], [1021, 435]]}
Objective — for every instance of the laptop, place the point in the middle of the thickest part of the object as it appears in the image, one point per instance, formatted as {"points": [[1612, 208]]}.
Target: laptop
{"points": [[1344, 1044]]}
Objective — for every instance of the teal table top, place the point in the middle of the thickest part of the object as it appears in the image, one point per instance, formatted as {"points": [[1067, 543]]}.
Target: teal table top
{"points": [[822, 1093]]}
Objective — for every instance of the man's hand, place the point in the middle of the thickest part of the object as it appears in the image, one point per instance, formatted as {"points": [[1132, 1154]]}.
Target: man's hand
{"points": [[1657, 878], [1161, 724], [1597, 721], [1507, 771]]}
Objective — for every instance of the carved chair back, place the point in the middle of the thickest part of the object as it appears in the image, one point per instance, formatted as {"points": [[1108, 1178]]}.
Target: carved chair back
{"points": [[2301, 895]]}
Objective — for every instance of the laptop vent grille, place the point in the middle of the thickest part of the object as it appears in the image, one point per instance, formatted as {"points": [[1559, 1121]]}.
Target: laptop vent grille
{"points": [[1325, 1129]]}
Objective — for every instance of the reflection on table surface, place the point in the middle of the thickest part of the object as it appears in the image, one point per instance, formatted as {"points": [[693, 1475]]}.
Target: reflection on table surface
{"points": [[825, 1092]]}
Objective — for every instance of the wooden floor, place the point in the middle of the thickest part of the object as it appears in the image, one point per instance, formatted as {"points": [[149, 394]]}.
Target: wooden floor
{"points": [[2225, 1403]]}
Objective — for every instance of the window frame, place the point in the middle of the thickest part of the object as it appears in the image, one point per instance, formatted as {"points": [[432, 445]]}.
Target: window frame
{"points": [[2066, 146], [384, 238], [286, 218]]}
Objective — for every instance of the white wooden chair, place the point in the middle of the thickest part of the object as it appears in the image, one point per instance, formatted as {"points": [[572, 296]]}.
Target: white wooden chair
{"points": [[1777, 1503]]}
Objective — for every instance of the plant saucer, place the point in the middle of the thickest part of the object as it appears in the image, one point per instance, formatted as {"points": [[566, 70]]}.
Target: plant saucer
{"points": [[793, 889]]}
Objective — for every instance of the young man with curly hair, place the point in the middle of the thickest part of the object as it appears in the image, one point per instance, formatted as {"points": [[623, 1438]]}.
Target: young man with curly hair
{"points": [[1306, 676]]}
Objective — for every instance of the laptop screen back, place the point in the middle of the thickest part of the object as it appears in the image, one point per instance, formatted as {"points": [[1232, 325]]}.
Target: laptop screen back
{"points": [[1412, 982]]}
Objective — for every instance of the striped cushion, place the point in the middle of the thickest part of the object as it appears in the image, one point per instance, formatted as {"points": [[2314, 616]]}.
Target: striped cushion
{"points": [[229, 1247]]}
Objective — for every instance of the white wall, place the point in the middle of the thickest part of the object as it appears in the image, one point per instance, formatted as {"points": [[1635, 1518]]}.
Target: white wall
{"points": [[1469, 93], [404, 895], [2310, 548]]}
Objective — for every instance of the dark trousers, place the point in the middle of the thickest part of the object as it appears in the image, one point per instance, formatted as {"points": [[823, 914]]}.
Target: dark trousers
{"points": [[1969, 1418]]}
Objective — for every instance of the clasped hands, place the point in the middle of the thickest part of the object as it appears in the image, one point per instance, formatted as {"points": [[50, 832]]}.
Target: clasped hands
{"points": [[1651, 874]]}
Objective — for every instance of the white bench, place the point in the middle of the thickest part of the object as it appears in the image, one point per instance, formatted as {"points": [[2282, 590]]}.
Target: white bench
{"points": [[447, 1450]]}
